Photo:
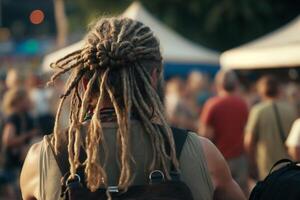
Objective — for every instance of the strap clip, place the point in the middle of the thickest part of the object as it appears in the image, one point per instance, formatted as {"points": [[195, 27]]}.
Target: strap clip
{"points": [[156, 176], [113, 189]]}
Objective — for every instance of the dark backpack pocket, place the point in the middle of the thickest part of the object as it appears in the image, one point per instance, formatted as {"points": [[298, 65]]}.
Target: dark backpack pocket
{"points": [[281, 184]]}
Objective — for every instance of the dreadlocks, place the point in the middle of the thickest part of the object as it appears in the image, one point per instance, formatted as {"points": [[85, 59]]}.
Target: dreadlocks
{"points": [[116, 61]]}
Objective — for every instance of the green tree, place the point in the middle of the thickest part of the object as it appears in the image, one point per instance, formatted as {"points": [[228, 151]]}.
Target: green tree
{"points": [[218, 24]]}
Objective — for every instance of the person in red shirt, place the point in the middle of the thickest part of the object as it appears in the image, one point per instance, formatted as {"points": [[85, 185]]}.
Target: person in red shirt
{"points": [[223, 120]]}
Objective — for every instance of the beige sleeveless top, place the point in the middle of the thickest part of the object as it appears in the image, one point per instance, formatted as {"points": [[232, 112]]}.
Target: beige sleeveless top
{"points": [[192, 162]]}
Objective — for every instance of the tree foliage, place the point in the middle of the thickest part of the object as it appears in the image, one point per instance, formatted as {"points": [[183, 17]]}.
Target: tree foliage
{"points": [[218, 24]]}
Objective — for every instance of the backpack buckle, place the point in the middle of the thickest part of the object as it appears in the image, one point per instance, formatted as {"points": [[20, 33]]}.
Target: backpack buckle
{"points": [[113, 189], [175, 176], [156, 176], [71, 180]]}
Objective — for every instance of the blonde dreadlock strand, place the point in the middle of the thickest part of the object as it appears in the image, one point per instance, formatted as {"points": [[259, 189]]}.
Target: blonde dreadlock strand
{"points": [[126, 50]]}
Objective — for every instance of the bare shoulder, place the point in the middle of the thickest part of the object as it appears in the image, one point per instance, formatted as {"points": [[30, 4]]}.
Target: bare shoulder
{"points": [[225, 186], [214, 159], [29, 179], [210, 150], [208, 147], [33, 154], [35, 148]]}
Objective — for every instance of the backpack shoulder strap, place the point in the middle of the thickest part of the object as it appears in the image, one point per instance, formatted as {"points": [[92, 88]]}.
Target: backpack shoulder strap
{"points": [[61, 156], [280, 128], [279, 162], [180, 136]]}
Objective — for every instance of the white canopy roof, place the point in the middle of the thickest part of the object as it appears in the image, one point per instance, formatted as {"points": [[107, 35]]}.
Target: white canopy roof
{"points": [[280, 48], [174, 47]]}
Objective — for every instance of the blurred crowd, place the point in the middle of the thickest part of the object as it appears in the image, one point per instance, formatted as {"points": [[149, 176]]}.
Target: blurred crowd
{"points": [[26, 114], [250, 126], [253, 126]]}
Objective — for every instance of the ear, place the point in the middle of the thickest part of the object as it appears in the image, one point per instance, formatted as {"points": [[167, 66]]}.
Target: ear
{"points": [[154, 78], [85, 82]]}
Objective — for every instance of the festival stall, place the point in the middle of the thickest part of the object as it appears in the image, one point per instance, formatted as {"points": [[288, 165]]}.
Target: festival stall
{"points": [[277, 49], [180, 55]]}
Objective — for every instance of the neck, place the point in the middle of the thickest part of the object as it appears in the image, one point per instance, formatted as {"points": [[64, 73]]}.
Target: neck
{"points": [[265, 98], [106, 104], [224, 93]]}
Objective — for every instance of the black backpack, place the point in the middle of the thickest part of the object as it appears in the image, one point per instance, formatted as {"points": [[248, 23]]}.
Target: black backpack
{"points": [[280, 184], [157, 189]]}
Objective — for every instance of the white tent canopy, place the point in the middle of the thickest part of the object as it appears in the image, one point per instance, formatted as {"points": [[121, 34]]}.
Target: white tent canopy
{"points": [[280, 48], [174, 47]]}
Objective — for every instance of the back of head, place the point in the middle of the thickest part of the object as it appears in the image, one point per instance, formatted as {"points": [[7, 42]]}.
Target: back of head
{"points": [[196, 81], [226, 80], [34, 80], [11, 99], [268, 86], [117, 64], [13, 78], [174, 86]]}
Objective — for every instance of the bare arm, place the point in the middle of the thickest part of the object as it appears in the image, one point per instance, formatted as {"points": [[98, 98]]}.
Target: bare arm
{"points": [[29, 179], [10, 139], [293, 141], [206, 120], [225, 187], [207, 132], [294, 152], [250, 144]]}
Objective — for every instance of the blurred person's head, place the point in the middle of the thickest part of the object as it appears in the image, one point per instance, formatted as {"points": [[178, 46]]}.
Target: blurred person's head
{"points": [[120, 66], [14, 78], [268, 87], [197, 81], [15, 100], [292, 92], [174, 86], [226, 81], [2, 85], [33, 81]]}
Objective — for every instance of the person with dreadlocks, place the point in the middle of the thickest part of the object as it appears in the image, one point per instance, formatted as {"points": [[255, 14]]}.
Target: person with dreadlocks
{"points": [[118, 132]]}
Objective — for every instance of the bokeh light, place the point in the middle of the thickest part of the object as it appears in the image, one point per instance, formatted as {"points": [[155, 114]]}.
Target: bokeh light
{"points": [[37, 16]]}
